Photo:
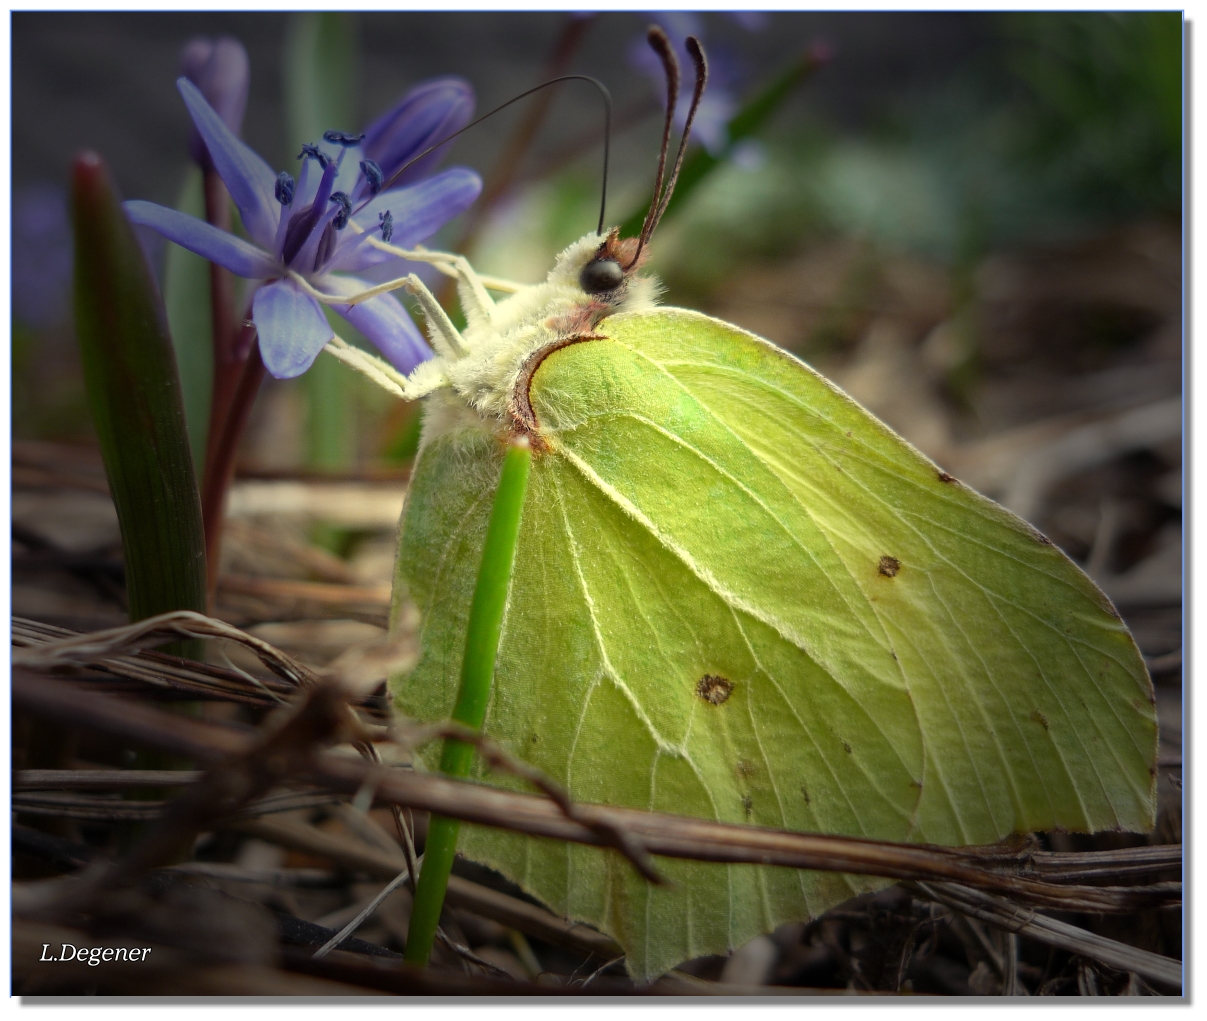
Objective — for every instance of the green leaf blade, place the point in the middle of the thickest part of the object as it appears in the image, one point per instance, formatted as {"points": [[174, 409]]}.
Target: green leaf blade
{"points": [[135, 396], [186, 293]]}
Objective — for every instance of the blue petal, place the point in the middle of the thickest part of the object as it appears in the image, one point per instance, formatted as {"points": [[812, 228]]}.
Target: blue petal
{"points": [[248, 178], [292, 328], [383, 320], [419, 211], [205, 239], [427, 114]]}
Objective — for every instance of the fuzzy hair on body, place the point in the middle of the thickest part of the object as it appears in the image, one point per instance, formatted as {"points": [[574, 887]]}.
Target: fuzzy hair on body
{"points": [[479, 389]]}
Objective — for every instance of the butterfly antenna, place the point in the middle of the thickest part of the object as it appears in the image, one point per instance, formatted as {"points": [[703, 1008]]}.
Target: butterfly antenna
{"points": [[661, 45], [662, 196], [607, 100], [696, 51]]}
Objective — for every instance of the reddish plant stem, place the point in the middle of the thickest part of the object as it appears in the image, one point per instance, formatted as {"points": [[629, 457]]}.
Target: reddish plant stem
{"points": [[220, 459], [227, 368], [238, 372]]}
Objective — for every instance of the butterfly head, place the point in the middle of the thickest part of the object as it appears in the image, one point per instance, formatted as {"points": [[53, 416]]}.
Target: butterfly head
{"points": [[602, 266], [598, 276]]}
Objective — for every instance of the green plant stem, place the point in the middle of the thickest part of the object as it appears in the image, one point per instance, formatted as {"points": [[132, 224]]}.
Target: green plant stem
{"points": [[477, 671], [186, 295]]}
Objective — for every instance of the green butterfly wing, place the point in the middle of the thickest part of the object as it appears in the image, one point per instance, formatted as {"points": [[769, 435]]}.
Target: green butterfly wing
{"points": [[738, 595]]}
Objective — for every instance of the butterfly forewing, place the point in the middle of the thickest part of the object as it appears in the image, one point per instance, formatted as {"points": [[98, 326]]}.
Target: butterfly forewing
{"points": [[1034, 705]]}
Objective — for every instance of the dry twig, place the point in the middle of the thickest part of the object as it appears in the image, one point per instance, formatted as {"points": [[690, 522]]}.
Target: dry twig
{"points": [[991, 869], [1026, 922]]}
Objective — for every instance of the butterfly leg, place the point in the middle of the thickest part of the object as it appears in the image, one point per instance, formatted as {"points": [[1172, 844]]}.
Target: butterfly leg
{"points": [[476, 301], [423, 380], [445, 337], [456, 266]]}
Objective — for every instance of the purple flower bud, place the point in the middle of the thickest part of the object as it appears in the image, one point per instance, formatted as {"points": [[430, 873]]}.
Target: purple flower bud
{"points": [[752, 21], [221, 71], [41, 247]]}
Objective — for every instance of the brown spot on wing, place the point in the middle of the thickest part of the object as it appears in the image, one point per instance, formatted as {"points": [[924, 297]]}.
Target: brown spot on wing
{"points": [[714, 689], [1040, 718], [889, 566]]}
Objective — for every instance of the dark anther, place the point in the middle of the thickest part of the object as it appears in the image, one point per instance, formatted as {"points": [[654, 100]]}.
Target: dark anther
{"points": [[386, 220], [600, 275], [284, 189], [345, 209], [342, 138], [373, 175], [315, 153]]}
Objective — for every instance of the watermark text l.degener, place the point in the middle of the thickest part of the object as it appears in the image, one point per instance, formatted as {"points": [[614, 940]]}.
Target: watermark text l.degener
{"points": [[95, 955]]}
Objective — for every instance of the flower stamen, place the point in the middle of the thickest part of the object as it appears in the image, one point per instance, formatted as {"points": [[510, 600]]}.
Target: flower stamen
{"points": [[345, 209], [342, 138], [313, 152], [373, 175], [285, 188]]}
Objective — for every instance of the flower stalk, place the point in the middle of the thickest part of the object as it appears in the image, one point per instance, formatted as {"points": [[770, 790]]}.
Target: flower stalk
{"points": [[477, 672], [309, 232]]}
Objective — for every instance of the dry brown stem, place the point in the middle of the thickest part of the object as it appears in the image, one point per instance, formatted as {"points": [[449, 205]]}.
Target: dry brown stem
{"points": [[1002, 914], [99, 646], [993, 869]]}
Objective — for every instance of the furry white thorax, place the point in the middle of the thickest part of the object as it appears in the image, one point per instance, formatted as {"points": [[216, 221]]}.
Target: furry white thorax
{"points": [[476, 389]]}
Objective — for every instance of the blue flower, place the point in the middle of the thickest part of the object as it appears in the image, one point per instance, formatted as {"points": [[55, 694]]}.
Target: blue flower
{"points": [[314, 232]]}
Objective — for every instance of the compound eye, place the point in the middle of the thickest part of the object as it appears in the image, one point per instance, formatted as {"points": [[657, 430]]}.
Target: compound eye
{"points": [[600, 275]]}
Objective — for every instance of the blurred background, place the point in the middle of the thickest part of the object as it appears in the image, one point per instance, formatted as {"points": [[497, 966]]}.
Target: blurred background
{"points": [[971, 222]]}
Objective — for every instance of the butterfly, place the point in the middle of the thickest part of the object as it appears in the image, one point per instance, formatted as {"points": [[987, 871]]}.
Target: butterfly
{"points": [[738, 595]]}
